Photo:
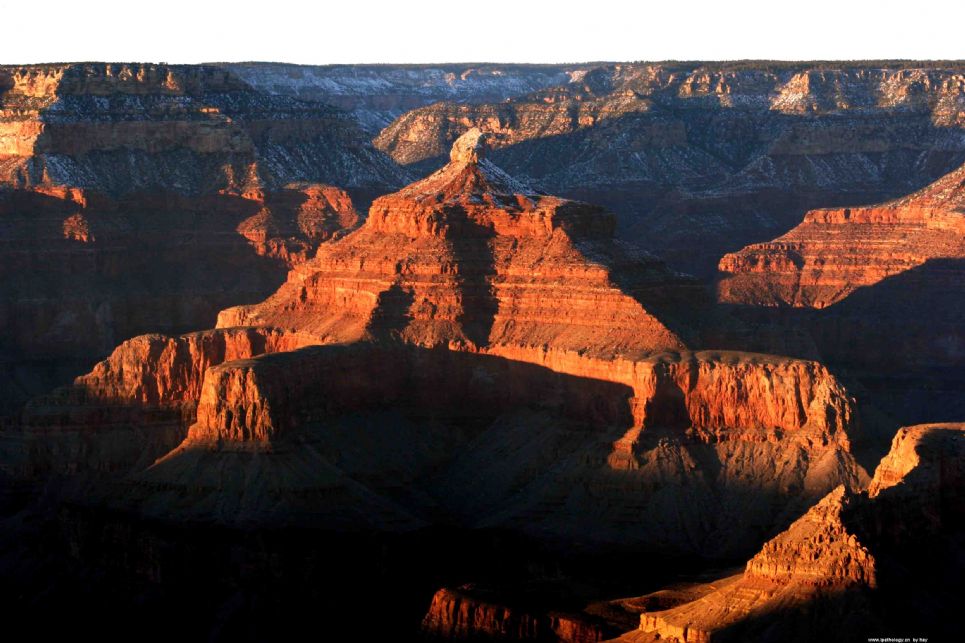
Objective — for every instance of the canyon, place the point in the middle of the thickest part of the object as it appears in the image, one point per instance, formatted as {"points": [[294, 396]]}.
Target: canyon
{"points": [[280, 341]]}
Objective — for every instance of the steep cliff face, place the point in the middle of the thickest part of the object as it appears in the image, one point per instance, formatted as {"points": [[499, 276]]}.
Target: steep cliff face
{"points": [[852, 562], [705, 158], [135, 405], [463, 614], [497, 360], [142, 198], [734, 443], [470, 257], [122, 128]]}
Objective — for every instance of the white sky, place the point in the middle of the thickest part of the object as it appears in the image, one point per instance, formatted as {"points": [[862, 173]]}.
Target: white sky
{"points": [[366, 31]]}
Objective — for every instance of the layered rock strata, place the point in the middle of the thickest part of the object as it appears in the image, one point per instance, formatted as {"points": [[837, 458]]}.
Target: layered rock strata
{"points": [[135, 405], [834, 252], [82, 271], [699, 159], [877, 291], [462, 614], [122, 128], [501, 361], [470, 257]]}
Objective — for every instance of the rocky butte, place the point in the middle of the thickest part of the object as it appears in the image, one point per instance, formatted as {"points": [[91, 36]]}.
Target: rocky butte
{"points": [[852, 564], [479, 408], [475, 350], [835, 252]]}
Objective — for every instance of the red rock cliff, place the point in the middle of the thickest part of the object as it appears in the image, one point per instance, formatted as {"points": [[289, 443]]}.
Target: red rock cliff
{"points": [[835, 252]]}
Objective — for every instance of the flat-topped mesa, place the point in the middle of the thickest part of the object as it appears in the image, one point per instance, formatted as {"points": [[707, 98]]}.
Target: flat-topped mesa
{"points": [[472, 258], [835, 251]]}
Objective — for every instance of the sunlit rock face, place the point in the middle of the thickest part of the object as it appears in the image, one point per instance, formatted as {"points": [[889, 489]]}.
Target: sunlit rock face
{"points": [[471, 257], [834, 252], [877, 290]]}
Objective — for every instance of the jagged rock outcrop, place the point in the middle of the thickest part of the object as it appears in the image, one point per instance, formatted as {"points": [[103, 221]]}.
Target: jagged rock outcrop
{"points": [[851, 559], [464, 615], [147, 197], [293, 221], [699, 159]]}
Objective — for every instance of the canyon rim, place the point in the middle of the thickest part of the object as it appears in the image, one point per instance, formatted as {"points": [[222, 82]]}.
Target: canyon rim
{"points": [[616, 351]]}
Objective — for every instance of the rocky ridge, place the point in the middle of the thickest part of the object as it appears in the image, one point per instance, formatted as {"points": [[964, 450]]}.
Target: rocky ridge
{"points": [[834, 252], [856, 281], [377, 94]]}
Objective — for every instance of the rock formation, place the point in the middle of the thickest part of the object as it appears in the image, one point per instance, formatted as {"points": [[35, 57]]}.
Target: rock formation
{"points": [[82, 271], [857, 281], [471, 257], [377, 94], [840, 567], [498, 359], [699, 159], [146, 198], [465, 614], [834, 252], [293, 221], [136, 405], [479, 382], [122, 128]]}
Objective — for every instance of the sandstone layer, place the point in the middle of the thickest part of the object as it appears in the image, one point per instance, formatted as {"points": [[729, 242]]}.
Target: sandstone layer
{"points": [[82, 271], [834, 252], [134, 406], [470, 257], [463, 614], [122, 128]]}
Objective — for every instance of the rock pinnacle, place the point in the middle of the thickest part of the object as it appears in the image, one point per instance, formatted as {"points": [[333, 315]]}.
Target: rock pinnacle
{"points": [[470, 147]]}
